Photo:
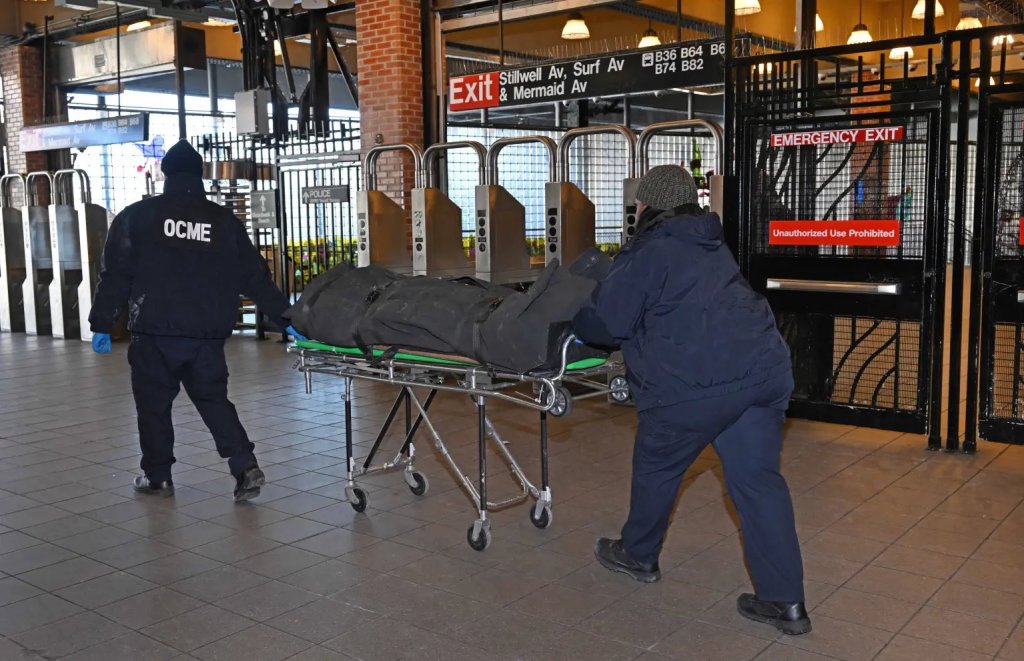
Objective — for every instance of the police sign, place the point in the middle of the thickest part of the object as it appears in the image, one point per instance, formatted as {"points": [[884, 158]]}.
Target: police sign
{"points": [[325, 194], [693, 64]]}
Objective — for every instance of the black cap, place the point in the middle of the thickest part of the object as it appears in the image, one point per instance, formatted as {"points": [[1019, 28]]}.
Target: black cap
{"points": [[182, 158]]}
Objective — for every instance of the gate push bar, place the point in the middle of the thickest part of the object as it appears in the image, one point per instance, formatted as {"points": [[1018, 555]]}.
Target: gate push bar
{"points": [[835, 287], [370, 163], [653, 130], [494, 151], [431, 154]]}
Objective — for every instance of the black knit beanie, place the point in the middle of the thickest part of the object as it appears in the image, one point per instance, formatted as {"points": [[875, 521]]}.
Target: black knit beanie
{"points": [[666, 187], [182, 158]]}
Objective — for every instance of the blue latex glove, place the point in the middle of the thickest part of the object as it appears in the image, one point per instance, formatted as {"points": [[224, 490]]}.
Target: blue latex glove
{"points": [[294, 333], [101, 342]]}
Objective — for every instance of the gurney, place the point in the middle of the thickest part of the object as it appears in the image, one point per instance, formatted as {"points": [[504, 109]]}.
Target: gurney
{"points": [[545, 392]]}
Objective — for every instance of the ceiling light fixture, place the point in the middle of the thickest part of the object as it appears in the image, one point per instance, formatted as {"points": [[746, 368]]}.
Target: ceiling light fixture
{"points": [[968, 23], [819, 25], [747, 7], [1002, 39], [575, 28], [650, 38], [901, 52], [859, 34], [919, 10], [140, 25]]}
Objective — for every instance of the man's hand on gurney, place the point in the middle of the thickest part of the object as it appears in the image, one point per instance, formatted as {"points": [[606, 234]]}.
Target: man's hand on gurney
{"points": [[294, 333], [101, 342]]}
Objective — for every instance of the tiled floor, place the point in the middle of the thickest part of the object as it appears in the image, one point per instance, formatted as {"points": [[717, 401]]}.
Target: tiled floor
{"points": [[909, 555]]}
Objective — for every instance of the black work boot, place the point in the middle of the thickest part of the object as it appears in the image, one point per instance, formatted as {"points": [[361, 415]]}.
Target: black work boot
{"points": [[790, 619], [248, 484], [144, 485], [610, 553]]}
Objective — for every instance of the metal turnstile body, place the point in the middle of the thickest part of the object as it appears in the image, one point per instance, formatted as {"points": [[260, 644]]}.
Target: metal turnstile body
{"points": [[501, 251], [82, 231], [36, 241], [382, 229], [66, 258], [629, 215], [12, 259], [437, 234], [571, 221]]}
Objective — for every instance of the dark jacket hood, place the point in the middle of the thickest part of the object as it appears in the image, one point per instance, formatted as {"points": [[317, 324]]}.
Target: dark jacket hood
{"points": [[691, 224]]}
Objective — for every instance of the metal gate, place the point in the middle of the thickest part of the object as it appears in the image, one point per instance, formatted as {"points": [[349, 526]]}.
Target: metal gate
{"points": [[842, 229], [996, 335]]}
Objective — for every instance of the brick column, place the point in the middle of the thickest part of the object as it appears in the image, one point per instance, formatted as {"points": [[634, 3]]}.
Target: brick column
{"points": [[21, 68], [390, 51]]}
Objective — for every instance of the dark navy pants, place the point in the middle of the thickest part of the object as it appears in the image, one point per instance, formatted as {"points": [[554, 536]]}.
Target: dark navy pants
{"points": [[160, 366], [745, 429]]}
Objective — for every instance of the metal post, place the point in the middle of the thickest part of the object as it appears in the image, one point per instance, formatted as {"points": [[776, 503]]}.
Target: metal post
{"points": [[956, 310], [501, 34], [117, 45], [984, 205], [929, 17], [679, 20], [731, 220], [179, 81], [211, 85]]}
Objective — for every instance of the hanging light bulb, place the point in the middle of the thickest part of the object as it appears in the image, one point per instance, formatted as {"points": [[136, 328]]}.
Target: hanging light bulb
{"points": [[968, 23], [859, 34], [1002, 39], [141, 25], [650, 38], [575, 28], [919, 10], [819, 25], [977, 82], [747, 7]]}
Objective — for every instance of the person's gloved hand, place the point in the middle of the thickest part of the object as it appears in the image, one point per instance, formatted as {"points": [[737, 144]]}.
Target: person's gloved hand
{"points": [[101, 342], [294, 333]]}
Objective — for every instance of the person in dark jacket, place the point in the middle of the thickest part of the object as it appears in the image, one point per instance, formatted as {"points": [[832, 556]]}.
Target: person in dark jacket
{"points": [[706, 365], [178, 263]]}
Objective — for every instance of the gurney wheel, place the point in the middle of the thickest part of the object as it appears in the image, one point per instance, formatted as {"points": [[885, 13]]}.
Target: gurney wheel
{"points": [[563, 403], [481, 541], [619, 388], [422, 484], [544, 520], [359, 504]]}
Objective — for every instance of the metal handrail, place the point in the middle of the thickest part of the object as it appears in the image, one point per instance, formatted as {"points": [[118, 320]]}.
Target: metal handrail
{"points": [[571, 135], [834, 287], [370, 163], [495, 150], [6, 183], [83, 178], [431, 154], [31, 196], [660, 128]]}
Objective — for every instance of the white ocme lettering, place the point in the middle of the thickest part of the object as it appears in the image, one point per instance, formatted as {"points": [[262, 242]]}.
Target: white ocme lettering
{"points": [[182, 229]]}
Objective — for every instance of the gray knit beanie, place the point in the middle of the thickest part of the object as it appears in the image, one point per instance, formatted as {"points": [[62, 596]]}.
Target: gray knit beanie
{"points": [[667, 187]]}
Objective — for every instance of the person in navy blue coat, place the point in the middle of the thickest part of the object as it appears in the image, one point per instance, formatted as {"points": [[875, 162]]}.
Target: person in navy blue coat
{"points": [[706, 365]]}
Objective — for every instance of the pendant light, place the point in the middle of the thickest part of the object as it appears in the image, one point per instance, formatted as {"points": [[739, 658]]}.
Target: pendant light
{"points": [[1002, 39], [968, 23], [575, 28], [919, 10], [819, 25], [141, 25], [901, 52], [747, 7], [650, 38], [860, 34]]}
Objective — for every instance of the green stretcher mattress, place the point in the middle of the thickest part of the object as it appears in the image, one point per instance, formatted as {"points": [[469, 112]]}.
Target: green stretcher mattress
{"points": [[428, 359]]}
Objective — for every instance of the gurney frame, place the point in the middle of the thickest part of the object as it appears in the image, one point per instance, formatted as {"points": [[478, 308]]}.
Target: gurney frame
{"points": [[549, 395]]}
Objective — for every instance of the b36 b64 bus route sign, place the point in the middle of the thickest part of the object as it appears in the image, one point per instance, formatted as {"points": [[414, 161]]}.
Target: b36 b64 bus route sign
{"points": [[694, 64], [88, 133]]}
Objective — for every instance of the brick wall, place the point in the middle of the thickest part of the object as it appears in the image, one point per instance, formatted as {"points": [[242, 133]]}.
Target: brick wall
{"points": [[390, 53], [22, 70]]}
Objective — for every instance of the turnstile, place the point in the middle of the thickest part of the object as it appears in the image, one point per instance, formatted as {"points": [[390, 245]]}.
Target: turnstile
{"points": [[381, 222], [437, 247], [81, 228], [502, 254], [12, 258], [571, 216], [35, 228]]}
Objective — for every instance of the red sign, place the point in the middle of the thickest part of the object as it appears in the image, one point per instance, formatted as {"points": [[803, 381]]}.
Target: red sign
{"points": [[838, 136], [474, 92], [834, 233]]}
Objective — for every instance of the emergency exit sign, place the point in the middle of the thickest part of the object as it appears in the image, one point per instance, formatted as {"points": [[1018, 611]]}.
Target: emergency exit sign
{"points": [[693, 64]]}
